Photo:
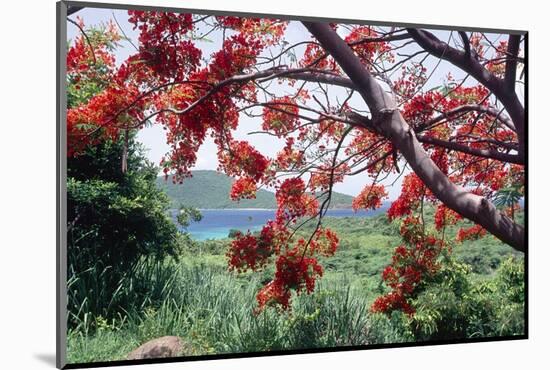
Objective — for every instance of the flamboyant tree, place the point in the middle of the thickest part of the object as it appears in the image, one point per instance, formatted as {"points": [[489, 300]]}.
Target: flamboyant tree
{"points": [[344, 100]]}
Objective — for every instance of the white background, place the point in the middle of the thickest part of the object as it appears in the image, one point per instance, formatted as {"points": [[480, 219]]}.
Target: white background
{"points": [[27, 207]]}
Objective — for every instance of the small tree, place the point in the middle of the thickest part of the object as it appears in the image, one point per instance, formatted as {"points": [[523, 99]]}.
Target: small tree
{"points": [[115, 218], [116, 215]]}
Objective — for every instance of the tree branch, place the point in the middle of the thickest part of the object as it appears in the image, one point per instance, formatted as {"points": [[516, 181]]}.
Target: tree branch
{"points": [[512, 61], [469, 64], [484, 153], [466, 43], [468, 108], [471, 206], [301, 74]]}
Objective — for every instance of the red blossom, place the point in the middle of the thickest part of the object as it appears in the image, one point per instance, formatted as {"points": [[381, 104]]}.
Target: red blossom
{"points": [[325, 242], [249, 252], [293, 272], [280, 116], [445, 216], [103, 116], [243, 188], [366, 50], [370, 197], [412, 263], [471, 233], [315, 56], [293, 201], [289, 157], [326, 176], [412, 191], [242, 159], [163, 48]]}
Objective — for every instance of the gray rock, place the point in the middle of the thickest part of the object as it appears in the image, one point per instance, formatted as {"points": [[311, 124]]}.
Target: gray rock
{"points": [[169, 346]]}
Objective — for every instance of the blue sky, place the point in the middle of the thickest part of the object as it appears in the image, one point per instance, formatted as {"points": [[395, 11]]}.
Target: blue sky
{"points": [[154, 138]]}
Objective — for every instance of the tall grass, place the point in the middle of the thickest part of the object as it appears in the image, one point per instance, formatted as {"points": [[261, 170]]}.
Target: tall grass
{"points": [[91, 294], [213, 311]]}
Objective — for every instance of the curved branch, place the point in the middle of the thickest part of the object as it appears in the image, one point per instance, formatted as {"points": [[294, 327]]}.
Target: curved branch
{"points": [[471, 206], [86, 37], [468, 108], [484, 153], [469, 64], [300, 74]]}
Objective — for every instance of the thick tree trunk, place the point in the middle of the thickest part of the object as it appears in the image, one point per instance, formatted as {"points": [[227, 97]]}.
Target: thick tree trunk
{"points": [[391, 123]]}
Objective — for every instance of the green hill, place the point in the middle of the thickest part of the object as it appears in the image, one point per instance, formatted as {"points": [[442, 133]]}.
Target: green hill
{"points": [[210, 189]]}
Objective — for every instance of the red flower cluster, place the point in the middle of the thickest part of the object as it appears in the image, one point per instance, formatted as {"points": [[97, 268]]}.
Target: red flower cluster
{"points": [[370, 197], [361, 40], [325, 176], [392, 301], [421, 107], [163, 45], [270, 30], [411, 264], [409, 83], [243, 188], [496, 64], [315, 56], [471, 233], [250, 252], [294, 271], [238, 53], [293, 202], [273, 294], [102, 117], [243, 160], [412, 229], [331, 129], [445, 216], [325, 242], [280, 116], [289, 157], [296, 268], [441, 159], [84, 63], [412, 190]]}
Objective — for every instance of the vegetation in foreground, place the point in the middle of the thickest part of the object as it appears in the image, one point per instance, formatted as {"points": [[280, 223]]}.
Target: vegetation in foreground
{"points": [[478, 293]]}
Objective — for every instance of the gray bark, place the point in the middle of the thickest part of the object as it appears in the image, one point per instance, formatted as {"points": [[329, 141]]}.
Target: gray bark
{"points": [[389, 121]]}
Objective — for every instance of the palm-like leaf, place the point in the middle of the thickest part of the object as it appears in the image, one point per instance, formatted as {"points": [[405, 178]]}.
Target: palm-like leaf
{"points": [[507, 197]]}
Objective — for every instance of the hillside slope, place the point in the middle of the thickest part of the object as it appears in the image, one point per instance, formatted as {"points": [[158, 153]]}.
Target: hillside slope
{"points": [[210, 189]]}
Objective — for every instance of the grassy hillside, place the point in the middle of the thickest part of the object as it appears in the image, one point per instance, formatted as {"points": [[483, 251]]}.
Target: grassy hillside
{"points": [[210, 189]]}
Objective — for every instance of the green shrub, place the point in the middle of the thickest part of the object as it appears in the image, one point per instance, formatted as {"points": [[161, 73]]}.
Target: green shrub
{"points": [[115, 221], [456, 304]]}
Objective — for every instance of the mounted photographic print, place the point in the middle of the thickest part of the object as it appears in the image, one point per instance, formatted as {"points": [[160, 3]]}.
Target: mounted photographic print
{"points": [[234, 185]]}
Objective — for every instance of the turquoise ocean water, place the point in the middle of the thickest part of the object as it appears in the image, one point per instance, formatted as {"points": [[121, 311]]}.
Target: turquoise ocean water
{"points": [[216, 223]]}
